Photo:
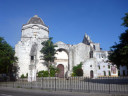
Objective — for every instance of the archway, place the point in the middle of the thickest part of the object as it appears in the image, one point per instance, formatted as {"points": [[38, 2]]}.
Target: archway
{"points": [[91, 74], [61, 70], [62, 56], [62, 59]]}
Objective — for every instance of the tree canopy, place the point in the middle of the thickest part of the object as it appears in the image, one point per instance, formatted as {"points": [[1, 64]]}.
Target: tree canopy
{"points": [[119, 52], [48, 51], [77, 70], [7, 56]]}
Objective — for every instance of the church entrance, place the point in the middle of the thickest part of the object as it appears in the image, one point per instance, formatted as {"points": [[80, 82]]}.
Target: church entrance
{"points": [[61, 70], [91, 74]]}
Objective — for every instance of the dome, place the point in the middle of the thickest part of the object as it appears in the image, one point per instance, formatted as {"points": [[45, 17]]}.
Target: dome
{"points": [[35, 20]]}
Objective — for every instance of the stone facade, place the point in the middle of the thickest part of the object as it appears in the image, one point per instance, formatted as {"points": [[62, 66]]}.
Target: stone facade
{"points": [[28, 48], [30, 59]]}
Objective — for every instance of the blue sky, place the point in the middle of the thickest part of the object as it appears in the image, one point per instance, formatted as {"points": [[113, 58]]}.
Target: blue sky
{"points": [[68, 20]]}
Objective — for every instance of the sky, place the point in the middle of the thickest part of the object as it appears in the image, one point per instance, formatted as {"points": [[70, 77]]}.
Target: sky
{"points": [[68, 20]]}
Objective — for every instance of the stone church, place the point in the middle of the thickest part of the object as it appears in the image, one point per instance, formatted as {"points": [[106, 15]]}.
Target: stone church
{"points": [[34, 32]]}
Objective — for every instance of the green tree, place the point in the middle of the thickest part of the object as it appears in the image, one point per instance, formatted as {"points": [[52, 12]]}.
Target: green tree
{"points": [[7, 57], [77, 70], [119, 52], [48, 52]]}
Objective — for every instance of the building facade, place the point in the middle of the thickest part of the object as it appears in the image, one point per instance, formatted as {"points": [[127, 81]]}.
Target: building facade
{"points": [[89, 53]]}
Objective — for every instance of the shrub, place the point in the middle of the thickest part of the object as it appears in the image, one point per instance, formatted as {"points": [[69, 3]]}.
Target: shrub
{"points": [[77, 70], [73, 74], [43, 73], [53, 71], [40, 74], [22, 76]]}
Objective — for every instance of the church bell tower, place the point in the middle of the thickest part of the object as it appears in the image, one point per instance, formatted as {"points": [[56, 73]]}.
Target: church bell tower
{"points": [[34, 32]]}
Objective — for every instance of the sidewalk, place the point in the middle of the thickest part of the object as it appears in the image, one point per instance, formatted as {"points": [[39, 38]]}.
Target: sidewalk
{"points": [[58, 93]]}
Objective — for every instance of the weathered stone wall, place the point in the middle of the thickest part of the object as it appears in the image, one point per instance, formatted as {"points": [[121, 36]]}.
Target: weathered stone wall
{"points": [[31, 33], [88, 66], [100, 55], [32, 30], [80, 53]]}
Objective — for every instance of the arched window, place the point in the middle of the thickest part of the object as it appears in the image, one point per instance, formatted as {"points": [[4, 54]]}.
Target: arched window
{"points": [[109, 73], [104, 73], [91, 74]]}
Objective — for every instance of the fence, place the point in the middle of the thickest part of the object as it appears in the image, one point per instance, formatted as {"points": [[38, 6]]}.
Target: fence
{"points": [[77, 84]]}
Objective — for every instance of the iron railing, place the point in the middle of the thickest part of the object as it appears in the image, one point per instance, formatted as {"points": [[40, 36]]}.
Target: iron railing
{"points": [[77, 84]]}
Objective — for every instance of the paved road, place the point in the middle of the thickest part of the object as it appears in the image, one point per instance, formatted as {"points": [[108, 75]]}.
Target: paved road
{"points": [[36, 92], [10, 93]]}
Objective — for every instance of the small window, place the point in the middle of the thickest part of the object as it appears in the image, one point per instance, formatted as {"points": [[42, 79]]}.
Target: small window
{"points": [[94, 47], [104, 73], [108, 66], [99, 66], [32, 57], [91, 54]]}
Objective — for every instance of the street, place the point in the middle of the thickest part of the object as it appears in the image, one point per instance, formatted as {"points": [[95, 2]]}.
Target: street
{"points": [[12, 93], [34, 92], [4, 91]]}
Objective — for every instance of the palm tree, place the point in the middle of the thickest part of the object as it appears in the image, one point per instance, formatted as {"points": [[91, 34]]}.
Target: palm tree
{"points": [[48, 52]]}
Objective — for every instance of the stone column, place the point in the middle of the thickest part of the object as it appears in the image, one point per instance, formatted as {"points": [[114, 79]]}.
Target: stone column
{"points": [[32, 73]]}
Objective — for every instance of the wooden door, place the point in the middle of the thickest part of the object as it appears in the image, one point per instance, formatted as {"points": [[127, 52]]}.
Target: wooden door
{"points": [[91, 74], [61, 70]]}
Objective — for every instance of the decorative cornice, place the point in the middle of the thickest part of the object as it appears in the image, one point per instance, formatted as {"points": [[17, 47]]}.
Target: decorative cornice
{"points": [[31, 26]]}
